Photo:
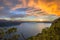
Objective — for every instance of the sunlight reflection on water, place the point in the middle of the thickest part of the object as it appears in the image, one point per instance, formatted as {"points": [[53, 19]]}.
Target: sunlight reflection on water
{"points": [[30, 29]]}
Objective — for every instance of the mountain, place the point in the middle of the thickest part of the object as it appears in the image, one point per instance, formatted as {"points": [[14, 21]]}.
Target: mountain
{"points": [[52, 33], [6, 23]]}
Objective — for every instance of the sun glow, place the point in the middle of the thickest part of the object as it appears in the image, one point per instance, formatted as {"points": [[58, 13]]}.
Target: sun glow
{"points": [[41, 19]]}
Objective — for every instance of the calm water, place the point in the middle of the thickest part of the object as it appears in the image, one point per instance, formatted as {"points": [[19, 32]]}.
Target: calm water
{"points": [[31, 29]]}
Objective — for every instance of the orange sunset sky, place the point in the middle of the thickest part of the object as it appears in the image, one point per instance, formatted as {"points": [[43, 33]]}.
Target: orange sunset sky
{"points": [[21, 8], [49, 6]]}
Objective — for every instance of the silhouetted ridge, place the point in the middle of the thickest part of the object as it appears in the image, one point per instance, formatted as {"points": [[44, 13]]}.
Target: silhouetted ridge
{"points": [[6, 23], [52, 33], [56, 23]]}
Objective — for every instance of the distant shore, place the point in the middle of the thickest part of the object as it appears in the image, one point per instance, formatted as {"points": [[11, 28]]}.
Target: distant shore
{"points": [[36, 21]]}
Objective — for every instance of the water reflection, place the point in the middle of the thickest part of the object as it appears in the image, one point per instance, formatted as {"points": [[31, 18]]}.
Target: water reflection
{"points": [[30, 29]]}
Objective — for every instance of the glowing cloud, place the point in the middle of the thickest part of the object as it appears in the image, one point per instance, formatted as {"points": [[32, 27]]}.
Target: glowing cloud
{"points": [[32, 7], [16, 7], [1, 7], [49, 6]]}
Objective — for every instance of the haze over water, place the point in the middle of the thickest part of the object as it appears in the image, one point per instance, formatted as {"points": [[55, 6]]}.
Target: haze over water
{"points": [[30, 29]]}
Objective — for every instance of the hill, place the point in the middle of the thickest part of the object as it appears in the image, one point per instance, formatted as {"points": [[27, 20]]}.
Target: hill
{"points": [[6, 23], [52, 33]]}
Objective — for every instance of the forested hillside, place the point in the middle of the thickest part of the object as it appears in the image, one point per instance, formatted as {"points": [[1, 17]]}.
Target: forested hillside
{"points": [[52, 33]]}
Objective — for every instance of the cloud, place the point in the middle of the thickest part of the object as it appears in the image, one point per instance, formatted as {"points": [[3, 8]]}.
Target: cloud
{"points": [[16, 7], [1, 7], [31, 7], [20, 4], [49, 6], [8, 3], [47, 1], [35, 12], [17, 16]]}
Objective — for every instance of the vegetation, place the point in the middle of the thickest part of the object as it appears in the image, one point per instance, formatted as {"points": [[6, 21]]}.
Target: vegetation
{"points": [[52, 33], [9, 34]]}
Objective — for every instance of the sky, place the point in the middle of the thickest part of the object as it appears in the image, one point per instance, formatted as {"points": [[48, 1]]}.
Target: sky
{"points": [[30, 9]]}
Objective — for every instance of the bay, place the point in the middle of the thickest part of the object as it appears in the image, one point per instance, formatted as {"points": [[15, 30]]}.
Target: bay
{"points": [[30, 29]]}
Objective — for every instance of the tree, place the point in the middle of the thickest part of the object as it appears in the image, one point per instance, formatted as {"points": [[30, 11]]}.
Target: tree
{"points": [[52, 33], [6, 34]]}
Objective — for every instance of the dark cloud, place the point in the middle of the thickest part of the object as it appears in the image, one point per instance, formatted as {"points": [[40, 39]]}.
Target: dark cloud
{"points": [[22, 9], [16, 16]]}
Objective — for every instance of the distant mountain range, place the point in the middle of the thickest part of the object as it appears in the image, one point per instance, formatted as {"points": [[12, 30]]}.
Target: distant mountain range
{"points": [[17, 21], [4, 23]]}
